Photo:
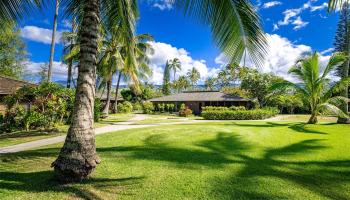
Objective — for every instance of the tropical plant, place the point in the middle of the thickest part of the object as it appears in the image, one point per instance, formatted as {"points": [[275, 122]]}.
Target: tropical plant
{"points": [[166, 79], [342, 44], [235, 26], [175, 65], [53, 40], [210, 83], [70, 51], [315, 88], [181, 84], [334, 4], [193, 75]]}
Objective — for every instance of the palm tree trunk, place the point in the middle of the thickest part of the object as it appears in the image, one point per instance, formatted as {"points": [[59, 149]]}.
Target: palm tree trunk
{"points": [[313, 118], [115, 109], [78, 157], [53, 41], [106, 107]]}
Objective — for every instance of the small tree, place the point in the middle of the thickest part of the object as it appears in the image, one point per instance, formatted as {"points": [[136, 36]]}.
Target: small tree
{"points": [[315, 88]]}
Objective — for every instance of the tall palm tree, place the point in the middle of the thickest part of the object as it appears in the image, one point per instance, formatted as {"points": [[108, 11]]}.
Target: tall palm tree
{"points": [[210, 83], [193, 75], [175, 65], [315, 87], [181, 84], [70, 51], [235, 26], [135, 67], [53, 40]]}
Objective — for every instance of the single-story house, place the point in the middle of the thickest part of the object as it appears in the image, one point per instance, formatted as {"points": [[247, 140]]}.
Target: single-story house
{"points": [[195, 100], [9, 86]]}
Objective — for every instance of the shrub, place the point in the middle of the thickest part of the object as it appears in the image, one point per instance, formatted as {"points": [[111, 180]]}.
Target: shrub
{"points": [[237, 108], [220, 108], [171, 107], [256, 114], [185, 112], [137, 106], [34, 120], [97, 110], [148, 107], [125, 107]]}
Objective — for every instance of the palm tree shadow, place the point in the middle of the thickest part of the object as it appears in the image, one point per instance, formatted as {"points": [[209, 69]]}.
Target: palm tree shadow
{"points": [[43, 181], [323, 178]]}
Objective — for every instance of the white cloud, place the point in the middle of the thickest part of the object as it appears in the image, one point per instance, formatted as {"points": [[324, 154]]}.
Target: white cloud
{"points": [[164, 52], [162, 4], [292, 16], [282, 55], [271, 4], [299, 23], [327, 51], [59, 70], [320, 7], [38, 34]]}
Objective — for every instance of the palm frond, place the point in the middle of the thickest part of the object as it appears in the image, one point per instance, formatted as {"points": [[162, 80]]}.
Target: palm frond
{"points": [[335, 4], [330, 108], [335, 61], [16, 9], [235, 26]]}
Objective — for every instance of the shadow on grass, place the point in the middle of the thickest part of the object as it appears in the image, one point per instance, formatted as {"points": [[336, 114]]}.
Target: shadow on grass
{"points": [[36, 182], [299, 127], [23, 134], [327, 179]]}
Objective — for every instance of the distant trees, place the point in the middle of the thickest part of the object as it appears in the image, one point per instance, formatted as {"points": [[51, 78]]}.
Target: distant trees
{"points": [[181, 84], [166, 79], [314, 87], [175, 65], [209, 83], [342, 44], [193, 76], [12, 50]]}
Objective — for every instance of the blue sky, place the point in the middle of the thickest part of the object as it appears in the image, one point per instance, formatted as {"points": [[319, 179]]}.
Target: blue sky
{"points": [[292, 28]]}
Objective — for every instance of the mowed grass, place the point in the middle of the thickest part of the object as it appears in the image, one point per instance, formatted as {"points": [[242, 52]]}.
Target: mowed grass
{"points": [[18, 137], [231, 160]]}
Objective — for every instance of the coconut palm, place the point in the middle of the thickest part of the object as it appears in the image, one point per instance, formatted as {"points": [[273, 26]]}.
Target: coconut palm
{"points": [[210, 83], [235, 27], [53, 40], [334, 4], [181, 84], [315, 88], [175, 65], [193, 75]]}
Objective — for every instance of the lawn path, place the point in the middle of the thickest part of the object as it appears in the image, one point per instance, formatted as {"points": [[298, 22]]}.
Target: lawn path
{"points": [[98, 131]]}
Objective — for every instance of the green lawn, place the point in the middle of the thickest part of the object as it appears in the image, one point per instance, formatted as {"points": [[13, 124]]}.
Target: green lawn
{"points": [[231, 160], [8, 139]]}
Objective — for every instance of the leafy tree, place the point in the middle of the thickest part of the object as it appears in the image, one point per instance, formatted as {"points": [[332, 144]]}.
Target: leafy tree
{"points": [[288, 101], [342, 44], [314, 87], [43, 72], [258, 84], [193, 75], [12, 50], [238, 92], [166, 79], [175, 65]]}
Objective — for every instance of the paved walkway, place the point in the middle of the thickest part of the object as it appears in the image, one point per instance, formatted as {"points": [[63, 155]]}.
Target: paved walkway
{"points": [[98, 131]]}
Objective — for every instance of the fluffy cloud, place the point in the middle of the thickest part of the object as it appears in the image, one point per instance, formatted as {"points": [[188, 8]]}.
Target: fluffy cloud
{"points": [[271, 4], [282, 54], [164, 52], [162, 4], [292, 16], [38, 34], [59, 70]]}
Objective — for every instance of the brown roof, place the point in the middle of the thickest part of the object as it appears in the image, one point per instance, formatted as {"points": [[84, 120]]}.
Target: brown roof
{"points": [[9, 85], [199, 96]]}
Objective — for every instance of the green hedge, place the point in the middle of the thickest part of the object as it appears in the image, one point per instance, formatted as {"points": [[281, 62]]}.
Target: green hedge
{"points": [[256, 114]]}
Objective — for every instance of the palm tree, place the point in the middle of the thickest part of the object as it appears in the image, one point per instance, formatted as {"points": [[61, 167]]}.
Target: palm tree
{"points": [[342, 44], [53, 40], [334, 4], [210, 83], [135, 64], [315, 88], [181, 84], [193, 75], [235, 27], [175, 65], [70, 51]]}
